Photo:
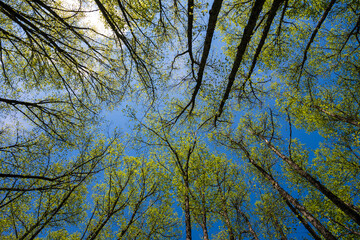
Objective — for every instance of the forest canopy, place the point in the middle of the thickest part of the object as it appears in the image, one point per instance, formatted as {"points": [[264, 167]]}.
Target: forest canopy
{"points": [[243, 119]]}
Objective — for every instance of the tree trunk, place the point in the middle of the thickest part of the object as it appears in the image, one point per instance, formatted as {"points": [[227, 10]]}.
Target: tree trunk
{"points": [[347, 209], [228, 224], [205, 231], [287, 197], [279, 228], [204, 219], [251, 230], [187, 214], [225, 214], [303, 221]]}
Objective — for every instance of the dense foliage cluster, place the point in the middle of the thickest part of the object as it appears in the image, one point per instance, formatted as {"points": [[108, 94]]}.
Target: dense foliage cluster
{"points": [[218, 95]]}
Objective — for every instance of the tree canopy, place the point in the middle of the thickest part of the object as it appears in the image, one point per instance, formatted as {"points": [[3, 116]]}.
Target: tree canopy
{"points": [[243, 119]]}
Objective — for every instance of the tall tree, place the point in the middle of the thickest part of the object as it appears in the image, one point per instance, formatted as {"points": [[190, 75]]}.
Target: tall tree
{"points": [[284, 67]]}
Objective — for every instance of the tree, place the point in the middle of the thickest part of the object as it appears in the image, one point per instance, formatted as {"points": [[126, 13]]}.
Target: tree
{"points": [[55, 79], [208, 187], [133, 201], [179, 157], [265, 172], [54, 70], [52, 179], [285, 67]]}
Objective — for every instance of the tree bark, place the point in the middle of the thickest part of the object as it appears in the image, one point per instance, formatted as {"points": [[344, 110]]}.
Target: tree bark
{"points": [[287, 197], [204, 219], [279, 228], [251, 230], [348, 210], [225, 214], [187, 217], [228, 224], [246, 37], [303, 221]]}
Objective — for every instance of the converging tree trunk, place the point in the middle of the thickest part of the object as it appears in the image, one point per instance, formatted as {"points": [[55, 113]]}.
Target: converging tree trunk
{"points": [[287, 197], [347, 209]]}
